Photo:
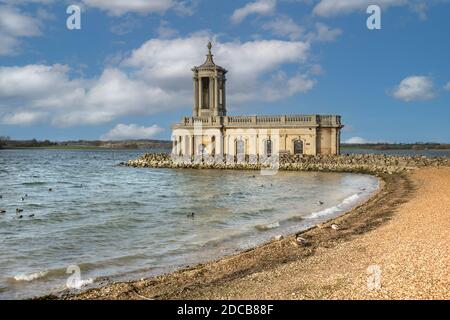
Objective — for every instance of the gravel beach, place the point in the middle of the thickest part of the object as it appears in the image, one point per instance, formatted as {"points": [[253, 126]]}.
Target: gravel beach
{"points": [[394, 246]]}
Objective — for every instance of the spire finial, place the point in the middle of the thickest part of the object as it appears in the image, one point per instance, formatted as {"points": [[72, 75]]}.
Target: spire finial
{"points": [[209, 47]]}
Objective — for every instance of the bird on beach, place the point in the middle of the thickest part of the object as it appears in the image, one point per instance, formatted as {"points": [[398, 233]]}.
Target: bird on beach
{"points": [[320, 203], [300, 241]]}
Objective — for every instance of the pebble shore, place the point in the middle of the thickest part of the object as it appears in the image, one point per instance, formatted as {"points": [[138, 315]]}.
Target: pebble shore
{"points": [[357, 163]]}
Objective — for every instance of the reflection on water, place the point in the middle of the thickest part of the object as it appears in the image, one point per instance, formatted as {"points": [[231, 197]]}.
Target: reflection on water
{"points": [[124, 223]]}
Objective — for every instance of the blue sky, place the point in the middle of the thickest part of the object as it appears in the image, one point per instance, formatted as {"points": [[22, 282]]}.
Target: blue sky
{"points": [[126, 73]]}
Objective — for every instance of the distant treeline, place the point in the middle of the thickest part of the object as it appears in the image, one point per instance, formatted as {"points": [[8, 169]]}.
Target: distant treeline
{"points": [[398, 146], [7, 143]]}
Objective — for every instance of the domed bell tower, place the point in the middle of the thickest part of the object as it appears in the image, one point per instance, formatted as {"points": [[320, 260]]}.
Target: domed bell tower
{"points": [[209, 88]]}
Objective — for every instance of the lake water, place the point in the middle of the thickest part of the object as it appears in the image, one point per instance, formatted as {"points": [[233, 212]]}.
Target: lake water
{"points": [[119, 223]]}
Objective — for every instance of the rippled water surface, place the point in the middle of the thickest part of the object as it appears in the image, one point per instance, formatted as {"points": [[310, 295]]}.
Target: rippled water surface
{"points": [[125, 223]]}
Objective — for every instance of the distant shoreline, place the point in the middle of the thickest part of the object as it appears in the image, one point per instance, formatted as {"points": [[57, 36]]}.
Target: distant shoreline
{"points": [[85, 145], [7, 144]]}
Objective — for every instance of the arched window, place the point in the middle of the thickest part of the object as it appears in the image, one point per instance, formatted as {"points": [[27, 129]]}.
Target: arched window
{"points": [[240, 147], [268, 148], [298, 146]]}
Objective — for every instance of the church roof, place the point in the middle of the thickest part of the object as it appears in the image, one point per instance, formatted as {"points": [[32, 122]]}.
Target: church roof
{"points": [[209, 63]]}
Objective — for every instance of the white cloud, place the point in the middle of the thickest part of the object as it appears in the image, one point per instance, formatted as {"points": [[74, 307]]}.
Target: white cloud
{"points": [[14, 24], [168, 62], [49, 92], [284, 26], [120, 7], [165, 31], [157, 79], [415, 88], [327, 8], [261, 7], [131, 132], [24, 118], [447, 86], [324, 33], [143, 7], [356, 140]]}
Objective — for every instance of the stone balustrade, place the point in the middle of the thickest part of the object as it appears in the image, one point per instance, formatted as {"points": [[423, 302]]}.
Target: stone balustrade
{"points": [[254, 121]]}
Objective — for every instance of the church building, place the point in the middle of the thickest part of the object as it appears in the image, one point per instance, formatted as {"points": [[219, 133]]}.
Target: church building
{"points": [[211, 134]]}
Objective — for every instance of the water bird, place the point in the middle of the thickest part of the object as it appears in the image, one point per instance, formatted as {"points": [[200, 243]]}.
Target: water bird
{"points": [[191, 215], [320, 203], [50, 190], [20, 217], [2, 211], [1, 197], [335, 226], [19, 210], [31, 216], [23, 199], [300, 241]]}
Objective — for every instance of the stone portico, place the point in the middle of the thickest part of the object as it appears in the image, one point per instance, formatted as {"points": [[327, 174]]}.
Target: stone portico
{"points": [[210, 133]]}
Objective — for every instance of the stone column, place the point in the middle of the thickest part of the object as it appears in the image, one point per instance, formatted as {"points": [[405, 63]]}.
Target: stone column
{"points": [[224, 97], [216, 97], [200, 95], [334, 139], [219, 144], [211, 94], [314, 143], [338, 141], [196, 97]]}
